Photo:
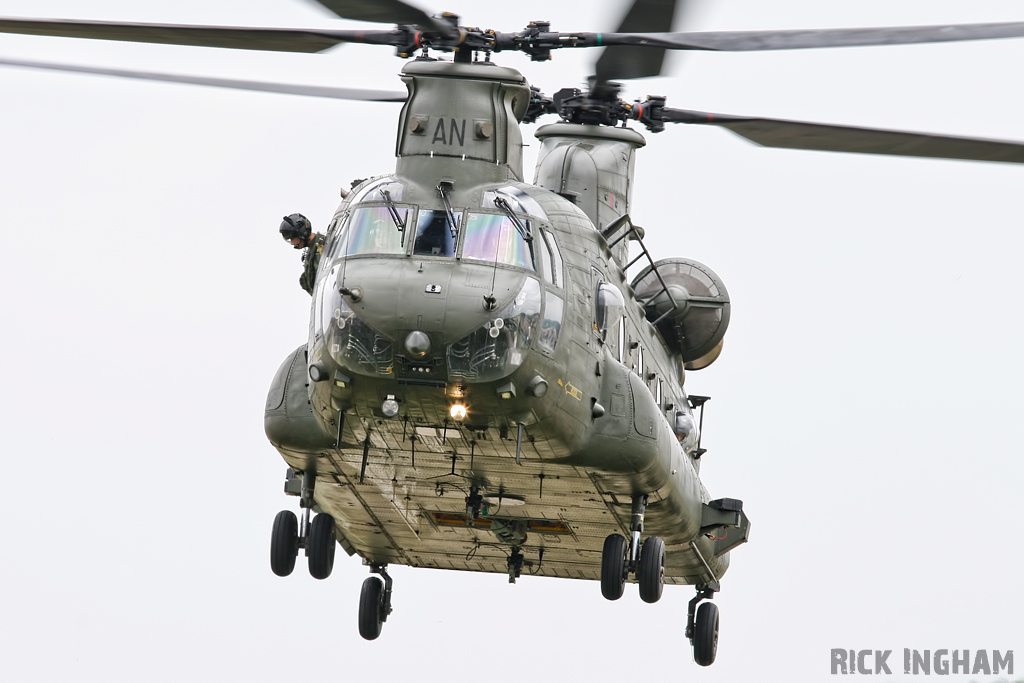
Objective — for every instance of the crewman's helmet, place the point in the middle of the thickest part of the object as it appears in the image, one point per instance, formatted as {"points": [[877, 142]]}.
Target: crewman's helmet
{"points": [[296, 225]]}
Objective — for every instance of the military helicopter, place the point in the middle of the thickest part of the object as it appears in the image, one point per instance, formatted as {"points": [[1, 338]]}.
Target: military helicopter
{"points": [[471, 346]]}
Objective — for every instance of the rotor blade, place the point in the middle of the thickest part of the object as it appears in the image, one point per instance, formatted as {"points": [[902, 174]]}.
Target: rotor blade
{"points": [[388, 12], [742, 41], [636, 61], [284, 88], [828, 138], [274, 39]]}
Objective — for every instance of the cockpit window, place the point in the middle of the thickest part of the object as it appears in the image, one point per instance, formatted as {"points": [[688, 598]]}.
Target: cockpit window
{"points": [[492, 237], [435, 236], [372, 230]]}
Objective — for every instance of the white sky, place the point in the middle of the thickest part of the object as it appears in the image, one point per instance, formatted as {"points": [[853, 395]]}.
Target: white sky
{"points": [[866, 408]]}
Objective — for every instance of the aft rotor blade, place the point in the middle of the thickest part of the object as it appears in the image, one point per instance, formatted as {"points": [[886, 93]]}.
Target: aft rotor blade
{"points": [[636, 61], [828, 138], [283, 88], [742, 41], [273, 39], [388, 12]]}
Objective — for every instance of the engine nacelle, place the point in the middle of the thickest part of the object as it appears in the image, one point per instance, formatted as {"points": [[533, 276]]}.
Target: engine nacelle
{"points": [[693, 320]]}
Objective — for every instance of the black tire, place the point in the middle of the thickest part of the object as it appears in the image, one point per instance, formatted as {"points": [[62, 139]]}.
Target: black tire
{"points": [[705, 634], [370, 608], [651, 573], [284, 543], [320, 546], [613, 566]]}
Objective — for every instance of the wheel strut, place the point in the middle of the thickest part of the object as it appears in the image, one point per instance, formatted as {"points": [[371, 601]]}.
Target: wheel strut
{"points": [[306, 503], [636, 528], [385, 605]]}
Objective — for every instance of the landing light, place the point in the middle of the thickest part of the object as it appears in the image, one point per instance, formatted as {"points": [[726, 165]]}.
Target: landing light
{"points": [[458, 412], [389, 407]]}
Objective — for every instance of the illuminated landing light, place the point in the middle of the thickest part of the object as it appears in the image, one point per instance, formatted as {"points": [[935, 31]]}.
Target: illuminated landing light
{"points": [[458, 412], [389, 407]]}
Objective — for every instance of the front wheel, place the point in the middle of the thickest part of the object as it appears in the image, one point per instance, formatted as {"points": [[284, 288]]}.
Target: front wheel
{"points": [[613, 566], [321, 545], [651, 573], [284, 543]]}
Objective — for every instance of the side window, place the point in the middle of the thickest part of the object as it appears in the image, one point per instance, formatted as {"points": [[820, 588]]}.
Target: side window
{"points": [[552, 325], [556, 259], [640, 361], [620, 349], [543, 256], [609, 309], [657, 395], [333, 231]]}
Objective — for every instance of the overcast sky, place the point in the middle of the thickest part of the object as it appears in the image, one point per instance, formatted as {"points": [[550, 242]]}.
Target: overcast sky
{"points": [[867, 407]]}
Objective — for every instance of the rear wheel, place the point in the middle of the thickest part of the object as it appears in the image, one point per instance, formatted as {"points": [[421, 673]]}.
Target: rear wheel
{"points": [[284, 543], [705, 634], [370, 608], [651, 574], [613, 566], [321, 544]]}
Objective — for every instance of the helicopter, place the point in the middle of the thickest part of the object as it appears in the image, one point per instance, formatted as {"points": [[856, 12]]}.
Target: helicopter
{"points": [[609, 334]]}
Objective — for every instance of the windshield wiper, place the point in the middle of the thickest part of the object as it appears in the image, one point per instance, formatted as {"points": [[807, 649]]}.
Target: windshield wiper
{"points": [[504, 206], [399, 221], [444, 188]]}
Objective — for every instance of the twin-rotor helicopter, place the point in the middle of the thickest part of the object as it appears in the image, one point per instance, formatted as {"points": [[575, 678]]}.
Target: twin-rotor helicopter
{"points": [[483, 387]]}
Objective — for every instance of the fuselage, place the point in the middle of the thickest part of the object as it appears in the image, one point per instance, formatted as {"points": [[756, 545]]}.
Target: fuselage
{"points": [[471, 332]]}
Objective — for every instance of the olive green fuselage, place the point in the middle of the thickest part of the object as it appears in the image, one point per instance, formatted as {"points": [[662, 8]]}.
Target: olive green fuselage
{"points": [[454, 283]]}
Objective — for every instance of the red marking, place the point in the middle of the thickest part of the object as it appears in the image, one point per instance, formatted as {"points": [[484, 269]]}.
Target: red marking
{"points": [[640, 108], [416, 39], [711, 117]]}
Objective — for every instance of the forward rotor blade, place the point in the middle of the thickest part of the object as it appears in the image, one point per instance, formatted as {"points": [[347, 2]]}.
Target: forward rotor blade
{"points": [[283, 88], [273, 39], [828, 138], [742, 41], [389, 12], [636, 61]]}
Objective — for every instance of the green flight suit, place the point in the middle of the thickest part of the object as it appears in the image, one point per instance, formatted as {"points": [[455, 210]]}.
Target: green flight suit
{"points": [[310, 261]]}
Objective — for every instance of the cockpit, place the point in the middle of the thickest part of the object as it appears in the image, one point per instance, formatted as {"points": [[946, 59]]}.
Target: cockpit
{"points": [[502, 231], [507, 236]]}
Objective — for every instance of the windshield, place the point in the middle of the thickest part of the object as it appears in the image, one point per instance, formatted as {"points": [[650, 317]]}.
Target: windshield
{"points": [[492, 237], [434, 235], [372, 230]]}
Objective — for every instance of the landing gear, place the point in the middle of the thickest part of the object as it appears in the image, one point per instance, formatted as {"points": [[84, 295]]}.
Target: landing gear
{"points": [[702, 630], [620, 558], [284, 543], [290, 533], [374, 602], [651, 572], [320, 546], [614, 566]]}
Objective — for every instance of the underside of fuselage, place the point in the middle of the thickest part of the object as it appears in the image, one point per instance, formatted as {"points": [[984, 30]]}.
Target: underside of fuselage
{"points": [[398, 488]]}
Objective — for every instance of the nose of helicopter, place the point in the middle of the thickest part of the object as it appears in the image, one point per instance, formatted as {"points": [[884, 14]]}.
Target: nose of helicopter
{"points": [[430, 319]]}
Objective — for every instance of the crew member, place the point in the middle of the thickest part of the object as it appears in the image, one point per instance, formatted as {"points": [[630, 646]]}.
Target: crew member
{"points": [[297, 230]]}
